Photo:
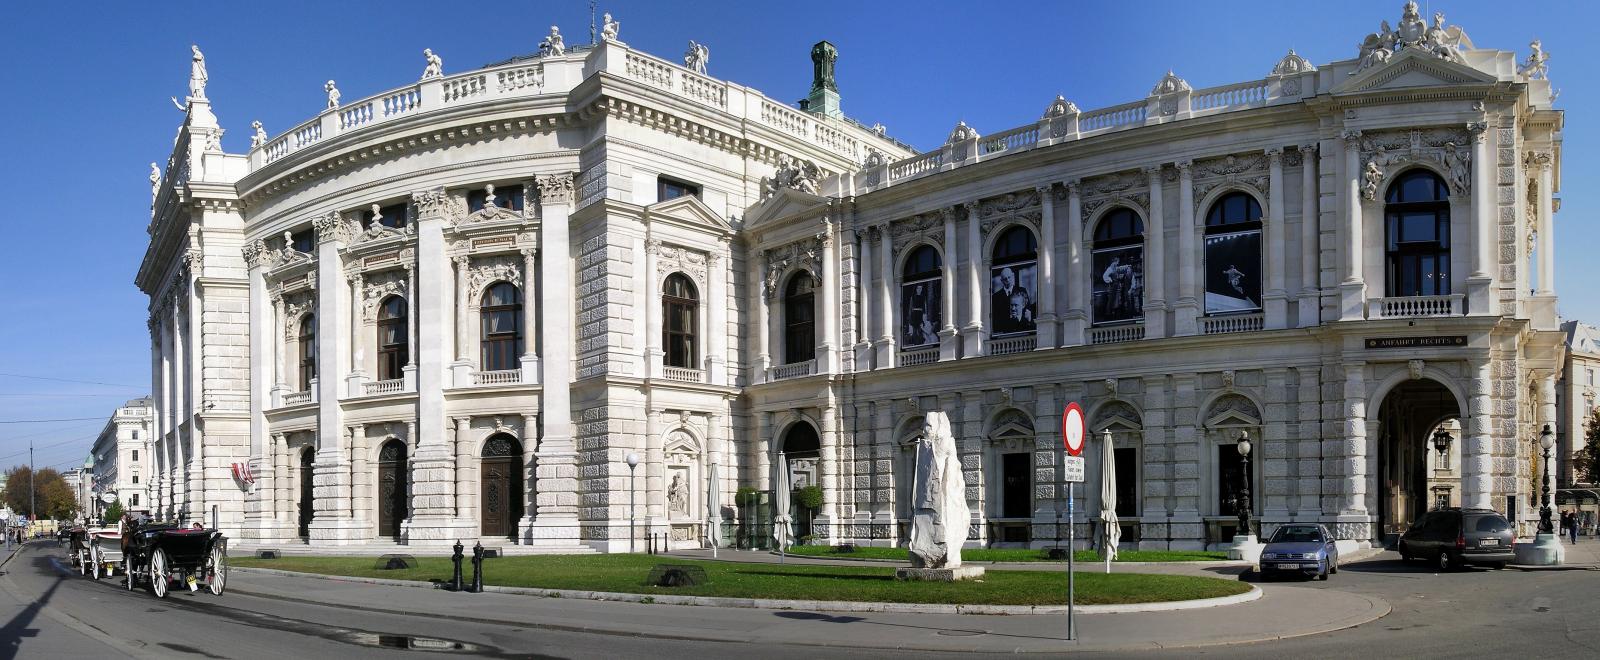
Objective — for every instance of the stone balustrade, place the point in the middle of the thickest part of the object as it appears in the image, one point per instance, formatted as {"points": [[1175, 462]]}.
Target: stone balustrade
{"points": [[1009, 345], [390, 386], [1416, 306], [501, 377], [916, 356], [683, 375], [795, 370], [1116, 333], [1218, 325]]}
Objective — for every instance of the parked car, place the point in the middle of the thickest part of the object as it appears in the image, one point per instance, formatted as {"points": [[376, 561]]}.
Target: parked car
{"points": [[1300, 549], [1453, 538]]}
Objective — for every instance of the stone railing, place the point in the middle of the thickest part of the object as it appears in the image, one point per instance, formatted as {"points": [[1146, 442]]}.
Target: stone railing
{"points": [[1117, 116], [501, 377], [1416, 306], [919, 355], [559, 75], [1116, 333], [297, 398], [1009, 345], [683, 375], [384, 386], [795, 370], [1218, 325]]}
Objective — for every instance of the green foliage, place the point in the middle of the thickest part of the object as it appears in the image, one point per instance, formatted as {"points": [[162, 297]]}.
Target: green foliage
{"points": [[112, 514], [1014, 554], [809, 497], [54, 497], [746, 496], [1586, 462]]}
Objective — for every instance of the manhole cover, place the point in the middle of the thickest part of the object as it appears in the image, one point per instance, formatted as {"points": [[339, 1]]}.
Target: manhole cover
{"points": [[963, 633]]}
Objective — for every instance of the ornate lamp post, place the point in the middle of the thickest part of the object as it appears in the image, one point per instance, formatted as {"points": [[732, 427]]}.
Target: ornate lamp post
{"points": [[633, 462], [1441, 441], [1547, 440], [1243, 503]]}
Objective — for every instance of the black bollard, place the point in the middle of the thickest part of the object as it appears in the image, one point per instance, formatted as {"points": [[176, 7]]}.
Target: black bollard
{"points": [[455, 581], [477, 568]]}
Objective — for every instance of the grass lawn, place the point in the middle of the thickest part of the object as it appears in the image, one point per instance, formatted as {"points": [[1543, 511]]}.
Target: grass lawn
{"points": [[1012, 554], [626, 574]]}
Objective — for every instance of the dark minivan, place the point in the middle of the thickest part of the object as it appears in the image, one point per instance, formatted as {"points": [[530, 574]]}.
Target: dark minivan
{"points": [[1452, 538]]}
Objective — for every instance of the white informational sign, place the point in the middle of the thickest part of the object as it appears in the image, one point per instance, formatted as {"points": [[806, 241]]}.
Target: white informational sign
{"points": [[1073, 467]]}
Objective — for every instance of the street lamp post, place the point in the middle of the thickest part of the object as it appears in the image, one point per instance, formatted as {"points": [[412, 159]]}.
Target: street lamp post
{"points": [[633, 462], [1243, 505], [1546, 441]]}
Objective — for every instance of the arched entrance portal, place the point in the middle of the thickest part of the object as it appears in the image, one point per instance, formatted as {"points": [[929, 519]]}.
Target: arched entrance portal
{"points": [[502, 486], [306, 510], [802, 448], [1407, 419], [393, 484]]}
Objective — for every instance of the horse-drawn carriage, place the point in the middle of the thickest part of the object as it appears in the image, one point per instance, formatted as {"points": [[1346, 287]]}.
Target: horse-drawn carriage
{"points": [[77, 547], [161, 553], [104, 553]]}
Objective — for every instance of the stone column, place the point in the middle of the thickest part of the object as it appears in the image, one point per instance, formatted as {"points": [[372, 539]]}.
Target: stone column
{"points": [[1155, 261], [285, 508], [1077, 269], [1276, 449], [828, 467], [828, 349], [1309, 303], [357, 375], [717, 316], [362, 481], [654, 470], [530, 476], [1476, 473], [259, 511], [331, 474], [1353, 522], [764, 295], [466, 469], [864, 352], [1480, 283], [461, 370], [1275, 301], [1186, 319], [1546, 220], [409, 372], [972, 333], [556, 515], [1047, 285], [530, 316], [885, 298], [178, 405], [655, 354], [1353, 289], [948, 347]]}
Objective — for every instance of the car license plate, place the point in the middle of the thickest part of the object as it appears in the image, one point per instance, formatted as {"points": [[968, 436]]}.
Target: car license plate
{"points": [[1488, 542]]}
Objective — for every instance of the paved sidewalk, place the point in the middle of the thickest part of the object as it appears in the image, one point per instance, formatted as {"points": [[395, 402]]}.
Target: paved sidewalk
{"points": [[1200, 568], [1284, 611], [1585, 555]]}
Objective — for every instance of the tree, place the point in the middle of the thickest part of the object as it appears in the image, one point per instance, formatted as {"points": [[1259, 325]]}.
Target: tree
{"points": [[54, 497], [1586, 461], [113, 513]]}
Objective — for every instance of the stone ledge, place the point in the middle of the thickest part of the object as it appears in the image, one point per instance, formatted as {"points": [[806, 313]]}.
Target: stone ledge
{"points": [[939, 574]]}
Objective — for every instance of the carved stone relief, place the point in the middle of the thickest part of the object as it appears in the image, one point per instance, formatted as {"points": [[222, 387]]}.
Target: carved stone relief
{"points": [[493, 269], [1449, 148], [378, 287], [805, 254]]}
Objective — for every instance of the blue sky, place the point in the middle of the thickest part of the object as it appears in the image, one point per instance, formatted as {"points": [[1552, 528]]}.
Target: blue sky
{"points": [[88, 110]]}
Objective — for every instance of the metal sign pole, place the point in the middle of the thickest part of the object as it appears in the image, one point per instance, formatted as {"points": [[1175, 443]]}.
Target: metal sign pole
{"points": [[1072, 581]]}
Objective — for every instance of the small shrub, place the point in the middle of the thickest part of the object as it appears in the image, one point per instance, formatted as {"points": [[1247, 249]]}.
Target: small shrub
{"points": [[809, 497]]}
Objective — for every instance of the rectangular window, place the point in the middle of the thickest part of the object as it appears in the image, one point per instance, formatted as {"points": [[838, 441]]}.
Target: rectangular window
{"points": [[672, 189], [1441, 501], [1591, 374], [135, 478], [136, 499], [509, 198], [393, 215], [1444, 460], [304, 240], [1127, 482], [136, 454]]}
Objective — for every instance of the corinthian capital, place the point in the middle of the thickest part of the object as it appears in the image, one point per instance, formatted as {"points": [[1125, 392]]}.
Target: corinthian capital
{"points": [[556, 188], [431, 203], [1351, 138]]}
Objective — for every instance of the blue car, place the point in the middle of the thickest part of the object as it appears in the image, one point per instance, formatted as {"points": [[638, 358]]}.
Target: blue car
{"points": [[1300, 549]]}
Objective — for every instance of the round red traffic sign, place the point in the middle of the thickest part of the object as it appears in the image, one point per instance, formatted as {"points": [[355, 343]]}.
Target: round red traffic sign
{"points": [[1073, 428]]}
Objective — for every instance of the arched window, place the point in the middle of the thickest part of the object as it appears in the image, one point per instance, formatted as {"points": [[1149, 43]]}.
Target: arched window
{"points": [[1118, 267], [1233, 255], [394, 345], [1014, 282], [680, 310], [921, 297], [799, 319], [1416, 216], [501, 315], [308, 351]]}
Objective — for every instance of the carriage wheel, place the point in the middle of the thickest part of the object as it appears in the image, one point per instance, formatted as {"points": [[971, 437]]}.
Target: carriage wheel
{"points": [[94, 560], [83, 558], [127, 570], [218, 568], [158, 573]]}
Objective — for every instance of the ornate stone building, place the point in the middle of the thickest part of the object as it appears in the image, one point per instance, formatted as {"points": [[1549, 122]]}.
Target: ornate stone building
{"points": [[454, 309], [120, 463]]}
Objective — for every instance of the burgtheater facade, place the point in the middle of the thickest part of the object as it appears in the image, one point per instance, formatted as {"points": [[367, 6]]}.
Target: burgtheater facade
{"points": [[456, 308]]}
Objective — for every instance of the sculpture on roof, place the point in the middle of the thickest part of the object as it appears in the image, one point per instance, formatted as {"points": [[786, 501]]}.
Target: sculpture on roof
{"points": [[1060, 106], [609, 27], [1291, 64], [1535, 68], [696, 57], [552, 44], [435, 68], [1443, 42], [802, 175], [197, 73], [155, 183], [1170, 84], [333, 95], [961, 133], [260, 136], [875, 158]]}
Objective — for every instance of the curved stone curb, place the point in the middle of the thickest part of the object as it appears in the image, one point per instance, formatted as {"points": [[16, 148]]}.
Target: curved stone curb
{"points": [[813, 605], [1209, 563]]}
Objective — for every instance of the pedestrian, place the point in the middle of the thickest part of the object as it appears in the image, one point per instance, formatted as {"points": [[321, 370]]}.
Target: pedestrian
{"points": [[1572, 526]]}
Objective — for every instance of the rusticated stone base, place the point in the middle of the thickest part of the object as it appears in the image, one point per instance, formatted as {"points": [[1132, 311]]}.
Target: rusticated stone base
{"points": [[939, 574]]}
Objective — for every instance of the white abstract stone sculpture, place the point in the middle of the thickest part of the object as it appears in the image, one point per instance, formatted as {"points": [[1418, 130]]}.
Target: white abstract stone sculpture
{"points": [[260, 136], [940, 514], [333, 95], [435, 67], [552, 44], [696, 57], [609, 27], [1535, 68], [197, 73]]}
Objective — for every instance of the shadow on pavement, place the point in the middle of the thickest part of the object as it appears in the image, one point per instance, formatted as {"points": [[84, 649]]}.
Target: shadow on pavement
{"points": [[17, 628], [949, 632]]}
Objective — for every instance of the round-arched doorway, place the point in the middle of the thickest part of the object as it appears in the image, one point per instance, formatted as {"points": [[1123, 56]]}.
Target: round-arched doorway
{"points": [[500, 479], [393, 487]]}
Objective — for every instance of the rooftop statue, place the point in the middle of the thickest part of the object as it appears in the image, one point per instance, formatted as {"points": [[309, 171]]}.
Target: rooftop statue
{"points": [[1535, 68], [1170, 84], [609, 27], [961, 133], [197, 73], [260, 136], [1443, 42], [155, 183], [333, 95], [696, 57], [940, 514], [1059, 107], [553, 44], [803, 176], [435, 67], [823, 57]]}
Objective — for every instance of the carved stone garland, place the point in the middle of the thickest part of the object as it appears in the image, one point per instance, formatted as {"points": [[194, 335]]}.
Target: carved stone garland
{"points": [[804, 254], [1249, 169], [1022, 206], [672, 259], [380, 286], [493, 269], [1449, 148], [918, 228], [1098, 191]]}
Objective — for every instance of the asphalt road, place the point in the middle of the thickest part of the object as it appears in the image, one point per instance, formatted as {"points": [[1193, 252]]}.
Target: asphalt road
{"points": [[1475, 613]]}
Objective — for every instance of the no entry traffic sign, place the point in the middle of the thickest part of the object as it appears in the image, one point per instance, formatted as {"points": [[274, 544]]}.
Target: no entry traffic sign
{"points": [[1073, 428]]}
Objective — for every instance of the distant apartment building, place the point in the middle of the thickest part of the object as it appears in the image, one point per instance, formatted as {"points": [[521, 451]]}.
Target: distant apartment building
{"points": [[120, 457]]}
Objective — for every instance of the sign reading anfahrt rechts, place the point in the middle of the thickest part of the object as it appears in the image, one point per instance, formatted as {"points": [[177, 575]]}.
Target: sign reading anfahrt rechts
{"points": [[1417, 342]]}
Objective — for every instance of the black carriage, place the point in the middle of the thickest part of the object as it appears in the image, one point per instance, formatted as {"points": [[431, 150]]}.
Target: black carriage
{"points": [[78, 548], [162, 553]]}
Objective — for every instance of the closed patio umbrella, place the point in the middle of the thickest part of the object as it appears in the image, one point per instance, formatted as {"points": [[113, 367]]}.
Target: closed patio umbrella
{"points": [[1108, 500], [780, 504], [714, 510]]}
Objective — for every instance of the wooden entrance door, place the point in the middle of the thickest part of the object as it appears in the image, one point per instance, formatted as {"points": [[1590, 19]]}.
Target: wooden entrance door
{"points": [[501, 483], [306, 510], [393, 484]]}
